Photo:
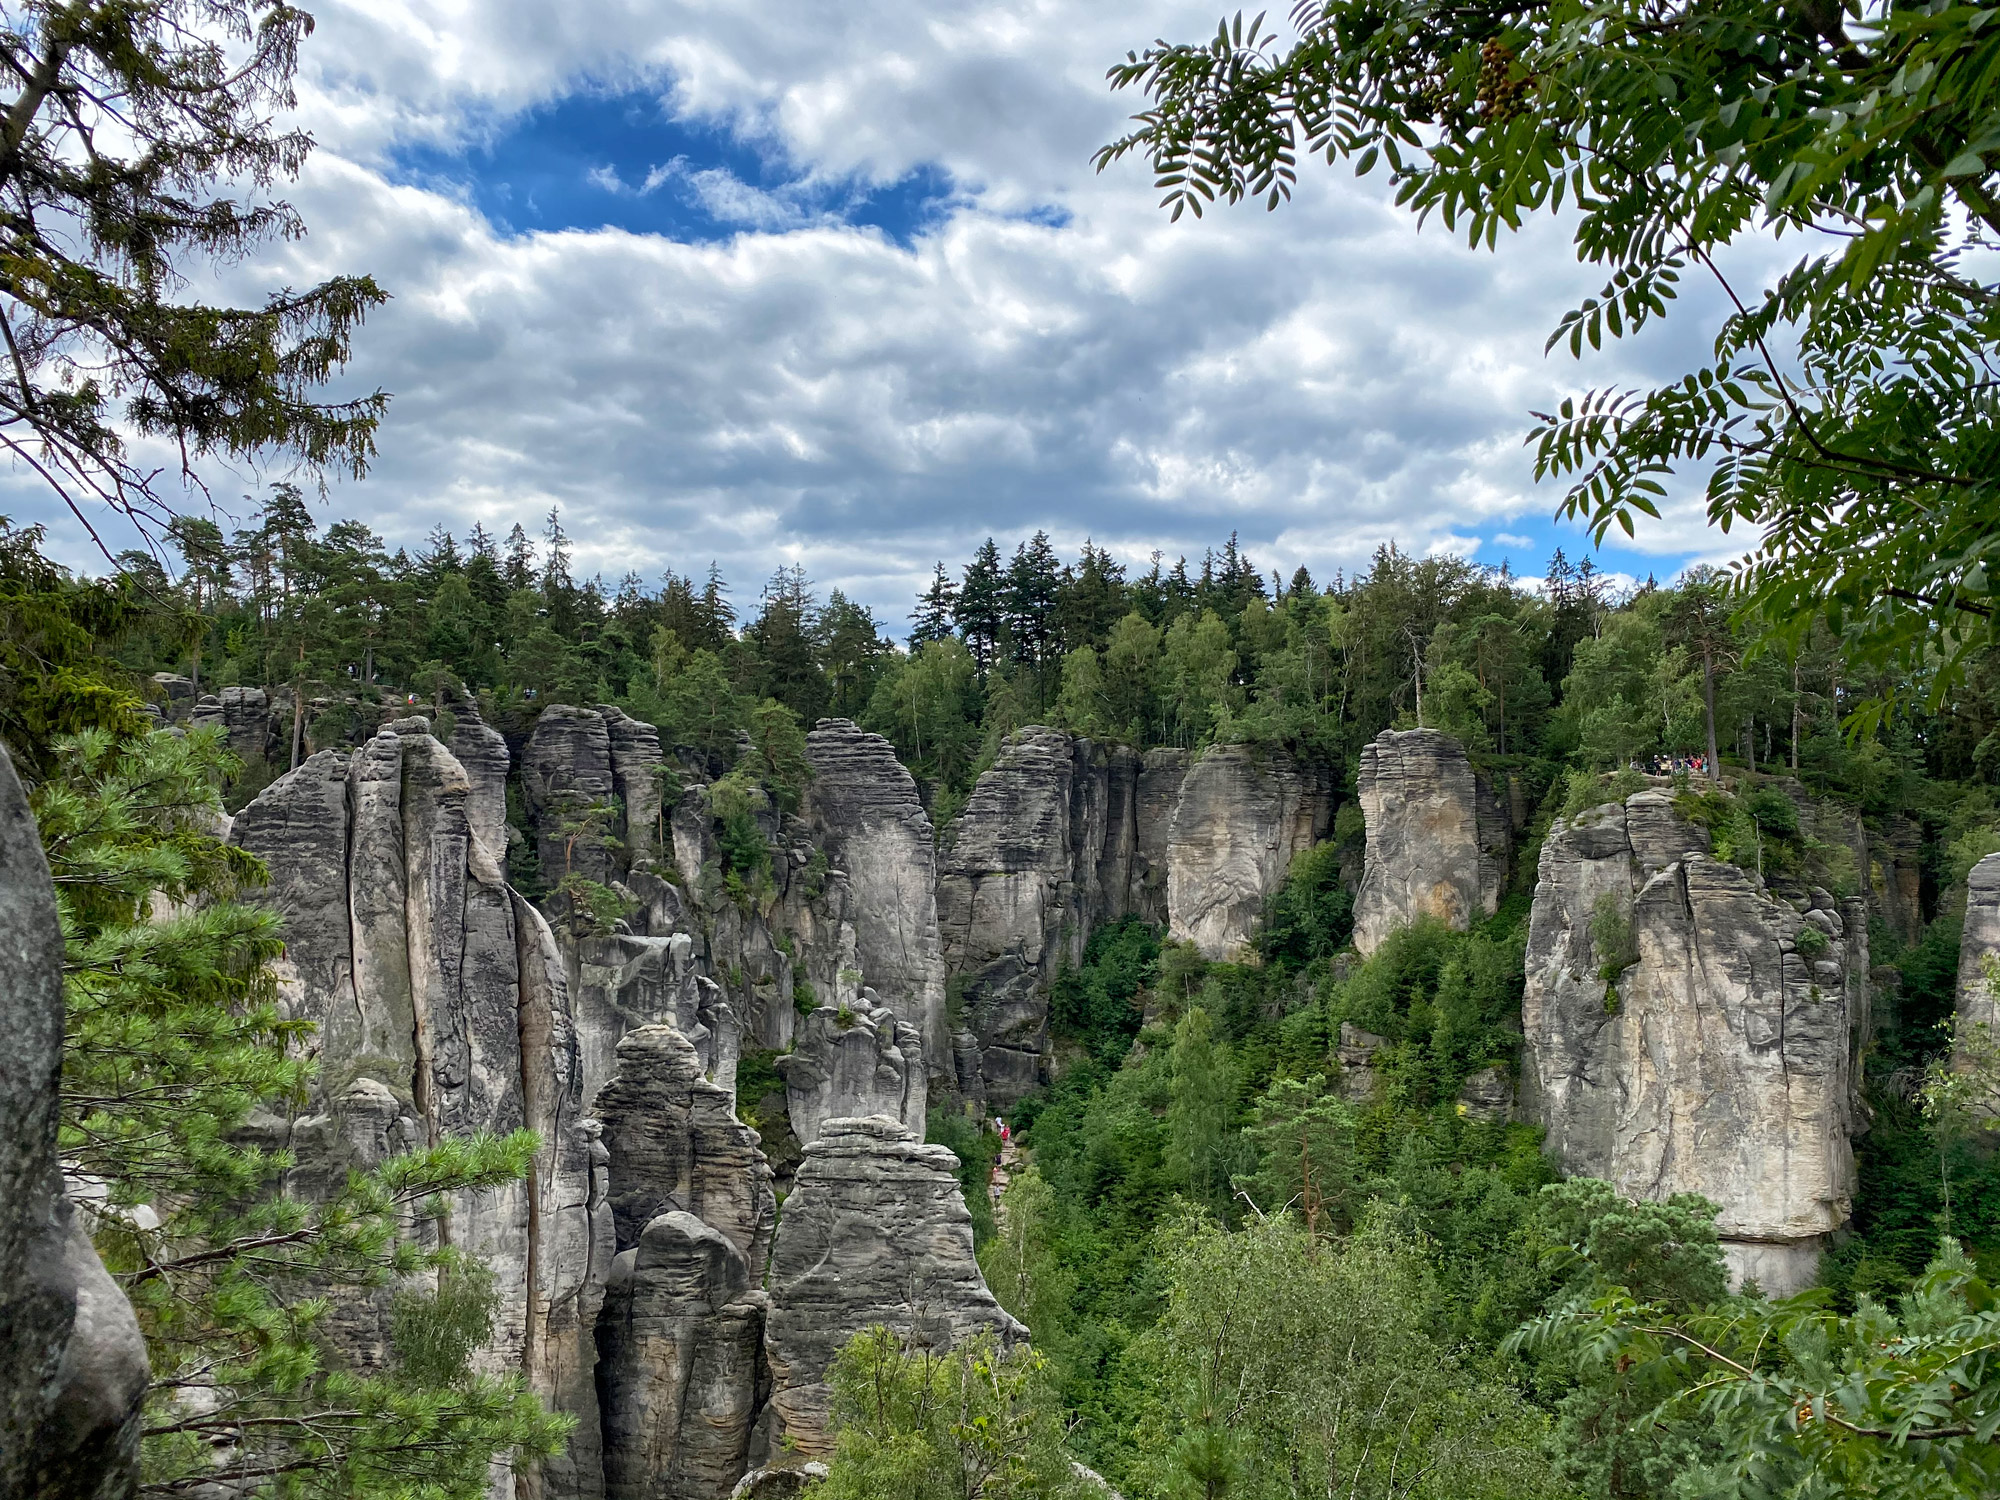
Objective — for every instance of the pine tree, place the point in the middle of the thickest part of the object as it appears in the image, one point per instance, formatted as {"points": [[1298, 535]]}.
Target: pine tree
{"points": [[148, 130], [1034, 581], [716, 615]]}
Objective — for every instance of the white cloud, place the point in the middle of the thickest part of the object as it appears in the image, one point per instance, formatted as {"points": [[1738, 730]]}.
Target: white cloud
{"points": [[1323, 380]]}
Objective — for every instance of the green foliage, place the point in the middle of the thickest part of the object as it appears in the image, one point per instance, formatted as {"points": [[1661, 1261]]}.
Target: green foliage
{"points": [[1100, 1005], [778, 749], [1283, 1366], [915, 1422], [1810, 1402], [977, 1146], [734, 802], [1450, 1002], [1311, 916], [56, 675], [1613, 941], [1839, 417]]}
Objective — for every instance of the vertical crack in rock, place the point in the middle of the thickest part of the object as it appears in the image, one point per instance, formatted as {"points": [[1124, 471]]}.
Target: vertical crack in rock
{"points": [[443, 1010]]}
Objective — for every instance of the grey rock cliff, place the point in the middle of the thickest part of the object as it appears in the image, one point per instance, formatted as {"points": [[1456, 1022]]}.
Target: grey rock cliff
{"points": [[72, 1363], [1009, 906], [875, 1232], [1721, 1055], [1438, 837], [863, 806], [442, 1008], [1242, 816], [565, 771]]}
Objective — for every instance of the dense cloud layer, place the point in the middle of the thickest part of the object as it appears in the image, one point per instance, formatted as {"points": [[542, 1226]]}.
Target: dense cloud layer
{"points": [[1005, 340]]}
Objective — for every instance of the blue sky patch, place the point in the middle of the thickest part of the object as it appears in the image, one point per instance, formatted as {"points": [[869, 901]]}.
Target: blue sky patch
{"points": [[594, 160]]}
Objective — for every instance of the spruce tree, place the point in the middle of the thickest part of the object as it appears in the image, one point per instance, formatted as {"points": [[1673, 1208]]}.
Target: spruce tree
{"points": [[932, 618], [981, 609]]}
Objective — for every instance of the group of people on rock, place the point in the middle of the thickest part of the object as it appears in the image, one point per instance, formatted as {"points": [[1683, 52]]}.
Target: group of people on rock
{"points": [[1672, 765]]}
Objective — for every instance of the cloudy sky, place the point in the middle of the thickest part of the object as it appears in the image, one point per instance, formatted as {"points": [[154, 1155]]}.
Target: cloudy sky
{"points": [[835, 283]]}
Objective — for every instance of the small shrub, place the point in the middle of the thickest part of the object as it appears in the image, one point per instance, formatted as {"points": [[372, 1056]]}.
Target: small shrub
{"points": [[1612, 939], [1812, 942], [805, 999]]}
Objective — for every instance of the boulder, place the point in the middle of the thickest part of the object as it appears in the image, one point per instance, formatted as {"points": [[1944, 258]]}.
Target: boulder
{"points": [[1687, 1033], [73, 1366], [680, 1355], [875, 1232], [851, 1063], [1244, 813], [1438, 837]]}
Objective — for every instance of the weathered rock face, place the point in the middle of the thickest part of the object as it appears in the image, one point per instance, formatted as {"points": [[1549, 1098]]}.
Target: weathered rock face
{"points": [[1980, 946], [482, 751], [72, 1363], [675, 1144], [1008, 904], [1244, 814], [869, 1063], [863, 807], [1684, 1032], [565, 772], [875, 1232], [243, 713], [1438, 838], [442, 1008], [680, 1360]]}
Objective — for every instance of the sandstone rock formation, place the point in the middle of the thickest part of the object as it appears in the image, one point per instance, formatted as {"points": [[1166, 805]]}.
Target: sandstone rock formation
{"points": [[242, 713], [1684, 1032], [675, 1144], [1979, 947], [875, 1232], [442, 1007], [1437, 836], [863, 807], [680, 1353], [1008, 906], [847, 1065], [72, 1363], [566, 775], [1243, 815]]}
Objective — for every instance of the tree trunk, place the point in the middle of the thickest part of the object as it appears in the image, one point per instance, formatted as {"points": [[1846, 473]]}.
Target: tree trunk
{"points": [[1795, 717], [1708, 704], [298, 722]]}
